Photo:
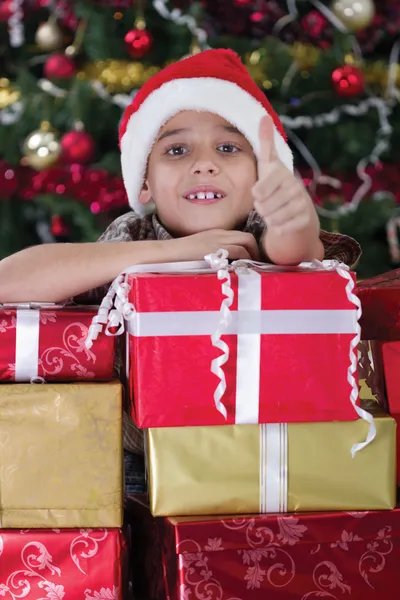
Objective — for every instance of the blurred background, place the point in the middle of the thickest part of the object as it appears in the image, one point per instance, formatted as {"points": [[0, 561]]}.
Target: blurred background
{"points": [[68, 69]]}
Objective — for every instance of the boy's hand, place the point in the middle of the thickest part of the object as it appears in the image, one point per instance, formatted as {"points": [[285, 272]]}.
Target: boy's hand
{"points": [[278, 196], [240, 245], [292, 234]]}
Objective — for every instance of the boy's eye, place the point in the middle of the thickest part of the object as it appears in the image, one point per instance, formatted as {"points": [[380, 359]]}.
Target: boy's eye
{"points": [[228, 148], [177, 151]]}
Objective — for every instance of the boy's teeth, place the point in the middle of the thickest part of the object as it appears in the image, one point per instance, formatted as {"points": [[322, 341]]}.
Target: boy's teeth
{"points": [[204, 196]]}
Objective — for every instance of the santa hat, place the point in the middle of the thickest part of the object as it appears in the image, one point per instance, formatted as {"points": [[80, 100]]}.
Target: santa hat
{"points": [[214, 81]]}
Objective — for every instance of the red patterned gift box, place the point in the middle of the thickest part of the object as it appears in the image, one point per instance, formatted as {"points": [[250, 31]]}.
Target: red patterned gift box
{"points": [[70, 564], [303, 342], [331, 555], [380, 300], [44, 341]]}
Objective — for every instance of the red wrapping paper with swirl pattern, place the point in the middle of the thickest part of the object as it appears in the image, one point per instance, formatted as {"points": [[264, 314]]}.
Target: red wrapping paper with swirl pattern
{"points": [[282, 557], [49, 342], [70, 564]]}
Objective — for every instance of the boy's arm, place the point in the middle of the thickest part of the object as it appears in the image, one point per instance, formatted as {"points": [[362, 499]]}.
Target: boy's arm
{"points": [[291, 248], [56, 272]]}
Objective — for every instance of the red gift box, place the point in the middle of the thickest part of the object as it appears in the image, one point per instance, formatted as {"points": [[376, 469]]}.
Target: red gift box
{"points": [[49, 342], [380, 300], [389, 356], [332, 555], [70, 564], [303, 342]]}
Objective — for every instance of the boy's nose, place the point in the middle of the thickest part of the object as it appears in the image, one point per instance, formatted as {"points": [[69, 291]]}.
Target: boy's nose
{"points": [[202, 167]]}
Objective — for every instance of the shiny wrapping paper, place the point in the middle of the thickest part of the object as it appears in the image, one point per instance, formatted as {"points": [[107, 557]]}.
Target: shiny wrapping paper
{"points": [[237, 469], [282, 557], [170, 349], [49, 342], [71, 564], [61, 455], [380, 300]]}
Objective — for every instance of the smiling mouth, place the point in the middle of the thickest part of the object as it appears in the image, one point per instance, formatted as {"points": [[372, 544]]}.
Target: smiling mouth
{"points": [[205, 196]]}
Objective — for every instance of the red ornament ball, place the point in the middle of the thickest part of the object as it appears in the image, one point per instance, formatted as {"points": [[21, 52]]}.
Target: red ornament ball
{"points": [[256, 17], [77, 147], [314, 24], [58, 226], [348, 81], [8, 180], [6, 10], [59, 66], [243, 2], [138, 42]]}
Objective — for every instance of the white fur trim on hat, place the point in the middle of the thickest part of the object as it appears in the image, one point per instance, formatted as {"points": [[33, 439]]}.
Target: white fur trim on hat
{"points": [[209, 94]]}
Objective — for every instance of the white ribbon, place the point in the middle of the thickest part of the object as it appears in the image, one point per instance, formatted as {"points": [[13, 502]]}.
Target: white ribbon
{"points": [[220, 261], [273, 468], [353, 367], [27, 344], [249, 300]]}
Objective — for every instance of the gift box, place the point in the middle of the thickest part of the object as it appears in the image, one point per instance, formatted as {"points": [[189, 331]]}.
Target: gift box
{"points": [[49, 342], [72, 564], [389, 353], [278, 346], [371, 375], [61, 455], [282, 557], [380, 299], [271, 468]]}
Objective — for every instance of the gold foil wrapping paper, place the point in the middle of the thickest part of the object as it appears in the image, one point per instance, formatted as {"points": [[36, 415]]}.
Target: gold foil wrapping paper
{"points": [[216, 470], [61, 455]]}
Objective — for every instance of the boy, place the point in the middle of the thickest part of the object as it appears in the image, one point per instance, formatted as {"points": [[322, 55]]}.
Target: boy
{"points": [[201, 143]]}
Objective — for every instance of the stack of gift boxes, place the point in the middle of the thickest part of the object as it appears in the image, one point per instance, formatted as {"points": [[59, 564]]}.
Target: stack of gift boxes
{"points": [[248, 395], [267, 476], [61, 479]]}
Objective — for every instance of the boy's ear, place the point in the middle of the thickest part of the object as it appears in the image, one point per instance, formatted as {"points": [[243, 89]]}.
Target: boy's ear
{"points": [[145, 194]]}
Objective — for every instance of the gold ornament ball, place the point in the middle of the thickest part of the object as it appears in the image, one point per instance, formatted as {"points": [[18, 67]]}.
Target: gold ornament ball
{"points": [[49, 36], [354, 14], [42, 148]]}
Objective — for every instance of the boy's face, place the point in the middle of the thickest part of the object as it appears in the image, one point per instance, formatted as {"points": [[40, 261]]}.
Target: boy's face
{"points": [[200, 174]]}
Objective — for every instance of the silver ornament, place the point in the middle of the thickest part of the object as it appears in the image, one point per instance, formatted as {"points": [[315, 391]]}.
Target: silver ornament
{"points": [[42, 148], [49, 36], [354, 14]]}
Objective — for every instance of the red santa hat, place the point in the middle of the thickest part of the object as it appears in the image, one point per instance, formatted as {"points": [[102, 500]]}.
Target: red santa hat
{"points": [[214, 81]]}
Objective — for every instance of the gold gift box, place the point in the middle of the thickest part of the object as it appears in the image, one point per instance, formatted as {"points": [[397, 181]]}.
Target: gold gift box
{"points": [[61, 455], [216, 470]]}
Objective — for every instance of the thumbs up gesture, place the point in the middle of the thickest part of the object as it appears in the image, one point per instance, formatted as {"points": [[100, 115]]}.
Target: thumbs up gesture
{"points": [[280, 199]]}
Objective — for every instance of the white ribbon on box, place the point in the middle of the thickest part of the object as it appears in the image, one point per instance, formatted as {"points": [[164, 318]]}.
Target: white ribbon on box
{"points": [[249, 322], [27, 339]]}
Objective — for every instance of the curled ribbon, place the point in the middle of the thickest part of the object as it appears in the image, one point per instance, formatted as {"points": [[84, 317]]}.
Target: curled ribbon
{"points": [[343, 271], [219, 262]]}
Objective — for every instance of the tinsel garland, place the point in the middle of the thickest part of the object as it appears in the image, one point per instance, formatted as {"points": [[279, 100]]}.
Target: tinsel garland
{"points": [[103, 192], [225, 17], [94, 188]]}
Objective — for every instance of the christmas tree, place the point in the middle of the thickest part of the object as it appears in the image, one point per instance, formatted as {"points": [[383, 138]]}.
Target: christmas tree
{"points": [[68, 69]]}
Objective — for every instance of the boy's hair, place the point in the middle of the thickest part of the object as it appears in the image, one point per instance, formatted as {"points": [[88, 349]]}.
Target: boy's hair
{"points": [[213, 81]]}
